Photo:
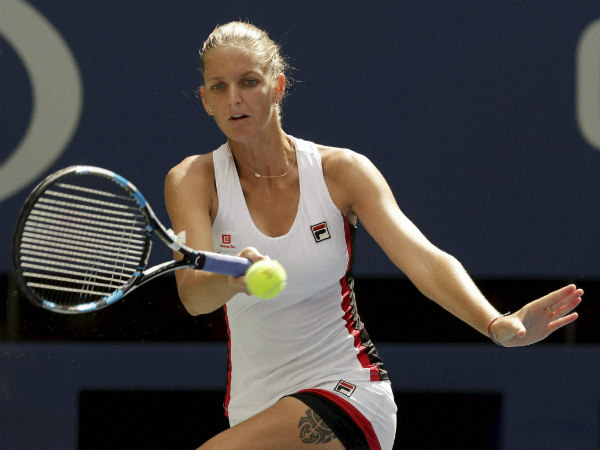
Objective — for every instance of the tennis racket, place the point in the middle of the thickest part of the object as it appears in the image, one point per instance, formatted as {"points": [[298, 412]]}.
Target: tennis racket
{"points": [[83, 239]]}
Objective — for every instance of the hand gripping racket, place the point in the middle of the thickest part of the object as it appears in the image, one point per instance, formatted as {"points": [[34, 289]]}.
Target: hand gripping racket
{"points": [[83, 239]]}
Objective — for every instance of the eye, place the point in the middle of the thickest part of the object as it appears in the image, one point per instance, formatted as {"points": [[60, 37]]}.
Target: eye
{"points": [[250, 82], [217, 86]]}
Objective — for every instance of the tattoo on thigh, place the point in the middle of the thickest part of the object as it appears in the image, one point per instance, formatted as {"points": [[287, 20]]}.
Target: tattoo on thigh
{"points": [[314, 430]]}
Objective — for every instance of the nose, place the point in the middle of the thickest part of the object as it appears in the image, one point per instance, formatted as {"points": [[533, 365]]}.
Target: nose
{"points": [[234, 95]]}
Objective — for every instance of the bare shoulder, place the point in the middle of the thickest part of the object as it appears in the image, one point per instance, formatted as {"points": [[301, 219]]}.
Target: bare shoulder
{"points": [[337, 160], [192, 171], [345, 171], [192, 182], [355, 184]]}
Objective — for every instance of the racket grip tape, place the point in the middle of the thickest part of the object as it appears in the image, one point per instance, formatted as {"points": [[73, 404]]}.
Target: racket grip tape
{"points": [[223, 264]]}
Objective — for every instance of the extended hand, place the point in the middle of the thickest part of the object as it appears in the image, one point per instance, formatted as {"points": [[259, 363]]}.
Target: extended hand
{"points": [[538, 319]]}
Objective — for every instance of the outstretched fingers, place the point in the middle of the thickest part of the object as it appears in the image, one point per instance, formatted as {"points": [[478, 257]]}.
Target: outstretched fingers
{"points": [[559, 304], [558, 323], [562, 301]]}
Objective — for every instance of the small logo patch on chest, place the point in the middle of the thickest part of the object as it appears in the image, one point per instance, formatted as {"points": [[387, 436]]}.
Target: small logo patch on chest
{"points": [[320, 231], [226, 242]]}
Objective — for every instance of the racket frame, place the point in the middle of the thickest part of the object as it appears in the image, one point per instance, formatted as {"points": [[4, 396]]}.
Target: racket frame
{"points": [[195, 259]]}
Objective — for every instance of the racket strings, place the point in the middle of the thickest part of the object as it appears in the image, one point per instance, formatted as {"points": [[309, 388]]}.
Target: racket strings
{"points": [[77, 226], [53, 208], [82, 242], [91, 245]]}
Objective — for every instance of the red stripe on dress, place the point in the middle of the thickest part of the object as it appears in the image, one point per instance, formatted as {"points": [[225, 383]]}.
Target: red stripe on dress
{"points": [[363, 423], [228, 392], [362, 356]]}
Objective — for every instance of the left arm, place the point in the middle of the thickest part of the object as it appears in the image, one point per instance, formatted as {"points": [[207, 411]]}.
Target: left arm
{"points": [[359, 189]]}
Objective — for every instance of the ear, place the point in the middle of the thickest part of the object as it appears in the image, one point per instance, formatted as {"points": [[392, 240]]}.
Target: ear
{"points": [[280, 84], [206, 107]]}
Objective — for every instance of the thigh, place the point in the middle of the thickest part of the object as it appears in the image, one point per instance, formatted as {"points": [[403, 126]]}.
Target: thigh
{"points": [[282, 426]]}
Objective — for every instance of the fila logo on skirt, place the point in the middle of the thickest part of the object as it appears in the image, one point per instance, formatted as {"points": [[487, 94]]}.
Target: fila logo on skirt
{"points": [[343, 387]]}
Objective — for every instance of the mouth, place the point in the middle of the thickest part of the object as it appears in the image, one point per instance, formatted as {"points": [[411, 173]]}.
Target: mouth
{"points": [[237, 117]]}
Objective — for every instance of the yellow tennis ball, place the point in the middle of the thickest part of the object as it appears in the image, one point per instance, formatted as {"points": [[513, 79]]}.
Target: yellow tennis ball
{"points": [[266, 278]]}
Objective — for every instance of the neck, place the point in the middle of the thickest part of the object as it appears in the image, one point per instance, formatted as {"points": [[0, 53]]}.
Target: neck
{"points": [[273, 159]]}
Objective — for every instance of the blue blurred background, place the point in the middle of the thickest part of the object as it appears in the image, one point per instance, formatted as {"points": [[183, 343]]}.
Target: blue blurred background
{"points": [[484, 116]]}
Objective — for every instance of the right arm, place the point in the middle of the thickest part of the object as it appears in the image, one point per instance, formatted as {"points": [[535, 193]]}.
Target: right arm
{"points": [[191, 200]]}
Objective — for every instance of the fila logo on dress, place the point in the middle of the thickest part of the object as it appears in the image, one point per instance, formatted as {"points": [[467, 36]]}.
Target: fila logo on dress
{"points": [[320, 232]]}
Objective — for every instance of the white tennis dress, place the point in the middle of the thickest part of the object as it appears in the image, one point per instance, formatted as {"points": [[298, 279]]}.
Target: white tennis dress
{"points": [[310, 334]]}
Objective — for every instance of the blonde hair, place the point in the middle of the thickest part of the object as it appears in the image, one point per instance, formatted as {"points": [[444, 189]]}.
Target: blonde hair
{"points": [[248, 37]]}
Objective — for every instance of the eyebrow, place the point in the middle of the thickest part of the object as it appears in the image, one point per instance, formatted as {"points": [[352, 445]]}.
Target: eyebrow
{"points": [[245, 74]]}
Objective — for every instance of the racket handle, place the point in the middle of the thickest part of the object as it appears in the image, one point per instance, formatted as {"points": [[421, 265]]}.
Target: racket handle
{"points": [[223, 264]]}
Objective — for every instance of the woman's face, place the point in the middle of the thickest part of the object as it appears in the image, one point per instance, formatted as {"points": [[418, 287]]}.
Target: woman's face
{"points": [[239, 93]]}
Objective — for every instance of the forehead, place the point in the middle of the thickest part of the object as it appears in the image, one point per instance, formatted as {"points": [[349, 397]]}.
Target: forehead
{"points": [[229, 61]]}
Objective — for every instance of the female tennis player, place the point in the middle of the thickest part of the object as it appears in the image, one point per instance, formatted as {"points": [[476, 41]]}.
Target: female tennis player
{"points": [[303, 372]]}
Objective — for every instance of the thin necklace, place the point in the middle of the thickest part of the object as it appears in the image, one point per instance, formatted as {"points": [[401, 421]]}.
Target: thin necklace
{"points": [[258, 175]]}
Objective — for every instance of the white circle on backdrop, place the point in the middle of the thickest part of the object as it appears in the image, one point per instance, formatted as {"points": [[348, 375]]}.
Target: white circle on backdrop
{"points": [[57, 93], [588, 84]]}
